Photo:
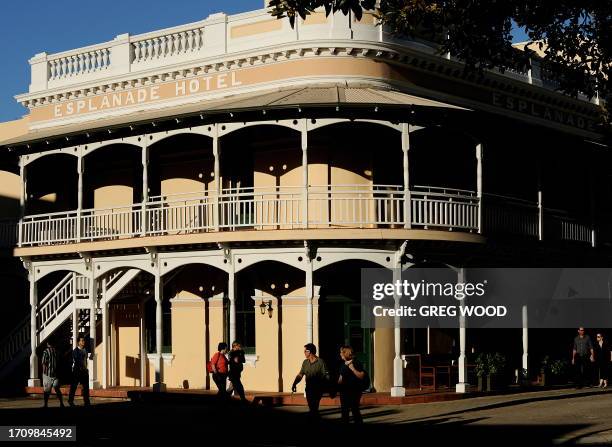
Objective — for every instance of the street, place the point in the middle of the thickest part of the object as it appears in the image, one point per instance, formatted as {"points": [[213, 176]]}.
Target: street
{"points": [[560, 417]]}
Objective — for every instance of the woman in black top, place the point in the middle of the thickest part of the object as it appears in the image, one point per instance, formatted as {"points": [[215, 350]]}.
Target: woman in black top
{"points": [[351, 385], [603, 356]]}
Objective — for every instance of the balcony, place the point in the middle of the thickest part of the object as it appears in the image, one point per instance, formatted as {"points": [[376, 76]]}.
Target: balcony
{"points": [[338, 206], [318, 207]]}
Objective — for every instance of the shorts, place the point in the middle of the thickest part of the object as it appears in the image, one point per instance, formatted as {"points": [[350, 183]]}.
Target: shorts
{"points": [[49, 382]]}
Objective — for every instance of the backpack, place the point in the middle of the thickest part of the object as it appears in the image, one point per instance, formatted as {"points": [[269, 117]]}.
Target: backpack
{"points": [[366, 383], [209, 364]]}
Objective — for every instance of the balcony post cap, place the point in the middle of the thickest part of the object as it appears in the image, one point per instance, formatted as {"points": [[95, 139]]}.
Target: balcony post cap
{"points": [[39, 57], [123, 37], [217, 17]]}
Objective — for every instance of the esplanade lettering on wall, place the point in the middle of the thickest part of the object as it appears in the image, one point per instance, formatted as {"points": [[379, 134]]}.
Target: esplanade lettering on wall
{"points": [[175, 89], [537, 110]]}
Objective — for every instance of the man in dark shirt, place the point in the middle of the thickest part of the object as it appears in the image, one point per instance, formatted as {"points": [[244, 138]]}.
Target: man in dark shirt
{"points": [[317, 378], [582, 357], [236, 362], [80, 372]]}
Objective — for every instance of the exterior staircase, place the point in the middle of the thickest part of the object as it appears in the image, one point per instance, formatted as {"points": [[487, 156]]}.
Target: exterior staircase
{"points": [[55, 308]]}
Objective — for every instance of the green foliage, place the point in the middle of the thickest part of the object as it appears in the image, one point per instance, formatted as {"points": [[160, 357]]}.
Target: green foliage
{"points": [[554, 367], [574, 35], [489, 364]]}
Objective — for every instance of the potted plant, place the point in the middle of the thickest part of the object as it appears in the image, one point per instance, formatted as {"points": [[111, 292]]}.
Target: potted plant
{"points": [[544, 370], [558, 371], [481, 368], [497, 364]]}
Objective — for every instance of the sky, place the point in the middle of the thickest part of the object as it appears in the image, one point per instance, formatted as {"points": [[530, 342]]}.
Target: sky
{"points": [[28, 27]]}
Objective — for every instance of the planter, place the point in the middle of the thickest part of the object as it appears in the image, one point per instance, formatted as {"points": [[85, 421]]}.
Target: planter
{"points": [[494, 382], [543, 379], [481, 384]]}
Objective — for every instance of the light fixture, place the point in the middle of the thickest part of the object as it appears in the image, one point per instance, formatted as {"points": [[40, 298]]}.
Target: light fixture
{"points": [[266, 306]]}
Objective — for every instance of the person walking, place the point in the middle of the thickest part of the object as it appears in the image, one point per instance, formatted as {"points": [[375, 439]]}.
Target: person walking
{"points": [[80, 372], [317, 378], [582, 357], [236, 365], [49, 370], [351, 382], [603, 357], [219, 369]]}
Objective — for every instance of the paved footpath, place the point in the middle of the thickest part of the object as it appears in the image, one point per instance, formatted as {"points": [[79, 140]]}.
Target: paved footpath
{"points": [[560, 417]]}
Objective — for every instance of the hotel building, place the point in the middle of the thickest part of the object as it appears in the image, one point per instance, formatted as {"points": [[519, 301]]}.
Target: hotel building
{"points": [[227, 180]]}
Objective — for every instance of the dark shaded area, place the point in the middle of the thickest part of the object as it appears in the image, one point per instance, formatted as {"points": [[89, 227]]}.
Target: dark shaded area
{"points": [[180, 418]]}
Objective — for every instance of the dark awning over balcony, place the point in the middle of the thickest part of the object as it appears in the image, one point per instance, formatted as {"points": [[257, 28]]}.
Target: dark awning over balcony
{"points": [[322, 96]]}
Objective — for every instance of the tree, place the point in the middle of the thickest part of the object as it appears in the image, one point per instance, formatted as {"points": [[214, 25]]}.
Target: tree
{"points": [[573, 38]]}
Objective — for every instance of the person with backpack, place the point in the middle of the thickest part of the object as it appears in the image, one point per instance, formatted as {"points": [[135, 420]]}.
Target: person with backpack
{"points": [[352, 381], [218, 366], [236, 362], [317, 379]]}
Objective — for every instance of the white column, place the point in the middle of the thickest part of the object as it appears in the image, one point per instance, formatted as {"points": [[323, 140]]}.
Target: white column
{"points": [[479, 184], [407, 199], [398, 389], [217, 168], [105, 347], [93, 296], [540, 207], [145, 186], [309, 298], [80, 164], [113, 348], [463, 385], [592, 204], [231, 295], [75, 325], [22, 198], [525, 340], [159, 378], [34, 380], [305, 174], [143, 350]]}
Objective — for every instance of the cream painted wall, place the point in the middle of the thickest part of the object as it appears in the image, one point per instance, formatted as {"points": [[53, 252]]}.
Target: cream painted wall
{"points": [[13, 129], [265, 375], [188, 367], [128, 355], [10, 193], [113, 196], [384, 353], [215, 330]]}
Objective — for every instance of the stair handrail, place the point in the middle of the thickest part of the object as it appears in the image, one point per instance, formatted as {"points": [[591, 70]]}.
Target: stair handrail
{"points": [[15, 340]]}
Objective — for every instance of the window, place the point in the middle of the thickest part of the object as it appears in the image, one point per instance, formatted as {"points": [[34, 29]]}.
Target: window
{"points": [[245, 321]]}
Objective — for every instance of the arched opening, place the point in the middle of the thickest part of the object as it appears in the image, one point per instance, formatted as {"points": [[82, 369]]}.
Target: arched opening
{"points": [[112, 177], [339, 321], [181, 181], [264, 189], [442, 158], [195, 322], [181, 164], [51, 288], [355, 175], [111, 186], [271, 322], [51, 184]]}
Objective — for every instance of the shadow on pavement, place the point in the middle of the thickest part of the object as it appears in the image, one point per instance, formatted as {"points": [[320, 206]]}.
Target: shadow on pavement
{"points": [[205, 421]]}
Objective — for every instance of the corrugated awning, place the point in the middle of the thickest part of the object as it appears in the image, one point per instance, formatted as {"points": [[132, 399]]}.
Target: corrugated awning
{"points": [[272, 99]]}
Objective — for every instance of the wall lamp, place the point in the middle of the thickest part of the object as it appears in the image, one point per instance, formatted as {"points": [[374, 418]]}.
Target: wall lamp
{"points": [[266, 306]]}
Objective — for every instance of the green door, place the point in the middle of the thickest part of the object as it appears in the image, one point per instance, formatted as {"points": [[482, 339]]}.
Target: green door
{"points": [[340, 324]]}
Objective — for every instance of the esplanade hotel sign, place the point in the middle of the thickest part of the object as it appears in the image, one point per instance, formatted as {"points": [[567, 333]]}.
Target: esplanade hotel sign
{"points": [[229, 179], [226, 56]]}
